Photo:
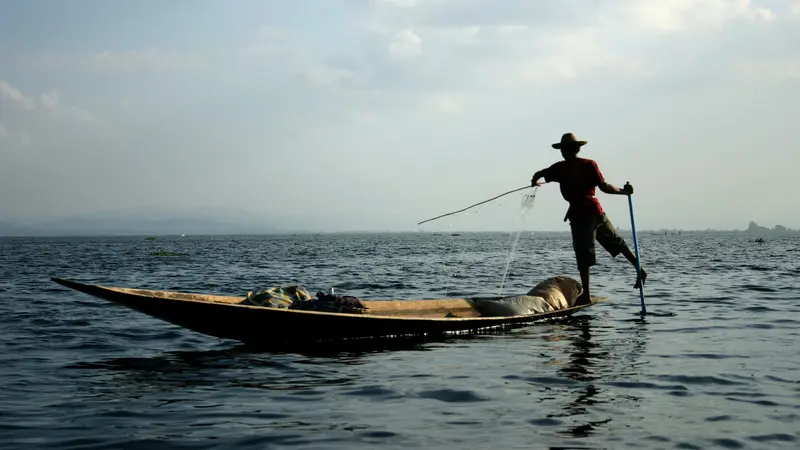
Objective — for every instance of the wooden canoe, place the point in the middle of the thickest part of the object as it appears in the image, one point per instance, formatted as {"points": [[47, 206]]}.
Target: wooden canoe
{"points": [[227, 318]]}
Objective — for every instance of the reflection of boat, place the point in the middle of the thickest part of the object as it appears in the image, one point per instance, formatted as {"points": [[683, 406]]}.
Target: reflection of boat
{"points": [[228, 318]]}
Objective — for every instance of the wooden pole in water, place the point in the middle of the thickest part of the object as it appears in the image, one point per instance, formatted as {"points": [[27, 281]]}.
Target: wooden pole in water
{"points": [[636, 250]]}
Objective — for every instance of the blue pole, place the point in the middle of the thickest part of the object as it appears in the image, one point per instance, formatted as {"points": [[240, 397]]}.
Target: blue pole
{"points": [[636, 250]]}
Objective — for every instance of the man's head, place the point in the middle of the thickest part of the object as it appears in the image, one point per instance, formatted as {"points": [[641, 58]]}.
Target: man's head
{"points": [[569, 145]]}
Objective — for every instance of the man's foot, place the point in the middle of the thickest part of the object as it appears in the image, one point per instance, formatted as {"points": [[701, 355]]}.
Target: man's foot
{"points": [[583, 299], [642, 280]]}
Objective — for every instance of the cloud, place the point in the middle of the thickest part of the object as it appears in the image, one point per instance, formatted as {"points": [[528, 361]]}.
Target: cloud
{"points": [[287, 58], [45, 117], [795, 9], [147, 60], [323, 76], [460, 35], [405, 44], [563, 57], [402, 3], [412, 51], [447, 104], [684, 15], [150, 59], [49, 100], [7, 92], [269, 41], [770, 69], [272, 32], [449, 56], [418, 87], [530, 45]]}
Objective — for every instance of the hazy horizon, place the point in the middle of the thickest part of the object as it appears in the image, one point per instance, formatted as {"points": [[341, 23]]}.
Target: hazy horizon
{"points": [[378, 114], [211, 222]]}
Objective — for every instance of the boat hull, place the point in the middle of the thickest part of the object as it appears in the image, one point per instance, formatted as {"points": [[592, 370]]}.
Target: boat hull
{"points": [[273, 326]]}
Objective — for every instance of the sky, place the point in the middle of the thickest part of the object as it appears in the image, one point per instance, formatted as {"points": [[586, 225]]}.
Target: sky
{"points": [[378, 114]]}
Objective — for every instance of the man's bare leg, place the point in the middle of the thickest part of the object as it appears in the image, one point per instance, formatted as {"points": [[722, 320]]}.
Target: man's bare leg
{"points": [[584, 298], [632, 259]]}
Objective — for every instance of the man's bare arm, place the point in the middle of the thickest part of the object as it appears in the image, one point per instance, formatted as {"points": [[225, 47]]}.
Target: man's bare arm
{"points": [[613, 190], [535, 179]]}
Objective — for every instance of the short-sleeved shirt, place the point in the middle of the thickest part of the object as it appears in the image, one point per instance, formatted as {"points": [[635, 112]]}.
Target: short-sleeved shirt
{"points": [[577, 179]]}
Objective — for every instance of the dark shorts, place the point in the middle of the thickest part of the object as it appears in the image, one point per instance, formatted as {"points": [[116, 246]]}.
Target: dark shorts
{"points": [[584, 232]]}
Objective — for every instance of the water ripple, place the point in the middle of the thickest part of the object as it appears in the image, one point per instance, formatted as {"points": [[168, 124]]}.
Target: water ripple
{"points": [[714, 366]]}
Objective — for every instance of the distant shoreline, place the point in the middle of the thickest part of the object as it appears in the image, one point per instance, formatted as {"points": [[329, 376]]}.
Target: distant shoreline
{"points": [[237, 223], [453, 233], [196, 226]]}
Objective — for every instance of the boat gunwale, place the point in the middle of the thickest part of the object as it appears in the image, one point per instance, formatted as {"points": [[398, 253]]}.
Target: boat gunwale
{"points": [[75, 285]]}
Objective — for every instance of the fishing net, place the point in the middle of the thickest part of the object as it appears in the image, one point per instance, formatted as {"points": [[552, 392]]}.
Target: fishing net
{"points": [[526, 206], [552, 294], [515, 209]]}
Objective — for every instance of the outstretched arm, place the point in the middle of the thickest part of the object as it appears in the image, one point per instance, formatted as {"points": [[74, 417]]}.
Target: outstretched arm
{"points": [[548, 173], [613, 190], [601, 183], [535, 180]]}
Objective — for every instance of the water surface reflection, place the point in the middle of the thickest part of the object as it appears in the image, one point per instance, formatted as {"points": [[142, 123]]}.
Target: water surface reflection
{"points": [[591, 362]]}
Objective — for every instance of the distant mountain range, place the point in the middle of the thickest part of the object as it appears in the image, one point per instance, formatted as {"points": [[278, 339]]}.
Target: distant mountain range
{"points": [[753, 227], [100, 227], [220, 221], [142, 222]]}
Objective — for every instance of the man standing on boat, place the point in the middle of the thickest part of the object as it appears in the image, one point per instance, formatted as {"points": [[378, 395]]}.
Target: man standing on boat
{"points": [[578, 178]]}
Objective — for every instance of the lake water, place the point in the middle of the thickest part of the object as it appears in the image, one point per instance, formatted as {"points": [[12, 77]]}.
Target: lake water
{"points": [[715, 365]]}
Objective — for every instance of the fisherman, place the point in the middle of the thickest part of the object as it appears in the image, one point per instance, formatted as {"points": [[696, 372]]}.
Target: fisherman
{"points": [[577, 178]]}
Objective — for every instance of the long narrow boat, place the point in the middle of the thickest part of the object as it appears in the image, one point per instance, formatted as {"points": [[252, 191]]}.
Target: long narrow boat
{"points": [[227, 317]]}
